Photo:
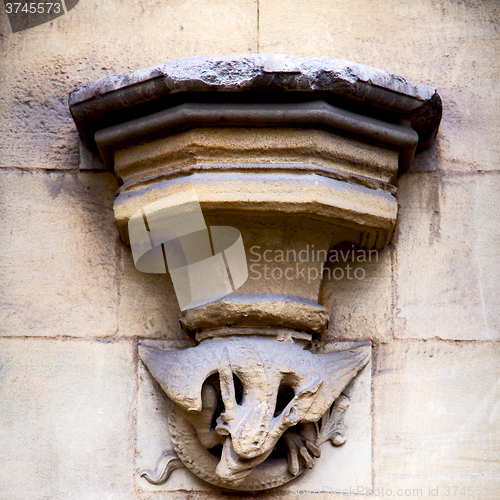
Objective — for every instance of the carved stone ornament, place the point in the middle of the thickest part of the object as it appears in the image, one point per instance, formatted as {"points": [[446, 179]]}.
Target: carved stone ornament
{"points": [[227, 164]]}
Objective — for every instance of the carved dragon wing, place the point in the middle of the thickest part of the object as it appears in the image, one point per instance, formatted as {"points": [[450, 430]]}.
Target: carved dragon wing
{"points": [[337, 370], [181, 373]]}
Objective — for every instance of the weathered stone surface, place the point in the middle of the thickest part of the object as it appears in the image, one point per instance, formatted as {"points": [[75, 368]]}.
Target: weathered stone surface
{"points": [[254, 71], [356, 290], [148, 305], [41, 65], [447, 261], [89, 160], [425, 161], [451, 45], [284, 388], [253, 310], [60, 254], [310, 196], [436, 418], [66, 419], [244, 408]]}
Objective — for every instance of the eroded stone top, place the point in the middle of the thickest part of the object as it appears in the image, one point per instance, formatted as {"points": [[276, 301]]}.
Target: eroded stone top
{"points": [[252, 72]]}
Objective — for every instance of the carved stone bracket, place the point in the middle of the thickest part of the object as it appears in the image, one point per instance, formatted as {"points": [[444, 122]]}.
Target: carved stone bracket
{"points": [[298, 155]]}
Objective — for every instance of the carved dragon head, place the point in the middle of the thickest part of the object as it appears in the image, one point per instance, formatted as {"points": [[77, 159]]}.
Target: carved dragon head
{"points": [[265, 386]]}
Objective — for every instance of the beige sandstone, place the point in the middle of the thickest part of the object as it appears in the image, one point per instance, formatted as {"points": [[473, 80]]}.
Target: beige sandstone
{"points": [[250, 406], [436, 403], [93, 40], [437, 418], [351, 462], [449, 44], [225, 145], [446, 261], [358, 295], [60, 254], [152, 430], [148, 305], [66, 419]]}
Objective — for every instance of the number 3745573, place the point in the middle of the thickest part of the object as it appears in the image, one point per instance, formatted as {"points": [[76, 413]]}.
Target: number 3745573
{"points": [[33, 8]]}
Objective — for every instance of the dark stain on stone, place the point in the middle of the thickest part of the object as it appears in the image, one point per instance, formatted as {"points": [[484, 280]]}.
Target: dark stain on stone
{"points": [[54, 183], [433, 203]]}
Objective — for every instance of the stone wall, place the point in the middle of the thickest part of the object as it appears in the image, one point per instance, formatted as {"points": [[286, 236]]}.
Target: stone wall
{"points": [[72, 304]]}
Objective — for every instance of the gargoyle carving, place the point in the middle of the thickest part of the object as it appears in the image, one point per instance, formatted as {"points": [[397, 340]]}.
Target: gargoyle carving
{"points": [[251, 412]]}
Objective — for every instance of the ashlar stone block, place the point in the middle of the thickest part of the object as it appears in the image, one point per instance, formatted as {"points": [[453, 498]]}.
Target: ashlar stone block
{"points": [[59, 254], [447, 267], [437, 420], [66, 419], [148, 304]]}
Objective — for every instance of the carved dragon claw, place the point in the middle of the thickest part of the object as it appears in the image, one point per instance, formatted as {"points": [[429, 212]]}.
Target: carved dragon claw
{"points": [[300, 446]]}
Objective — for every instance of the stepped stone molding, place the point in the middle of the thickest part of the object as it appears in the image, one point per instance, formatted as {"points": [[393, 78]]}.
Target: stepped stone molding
{"points": [[300, 155], [102, 103]]}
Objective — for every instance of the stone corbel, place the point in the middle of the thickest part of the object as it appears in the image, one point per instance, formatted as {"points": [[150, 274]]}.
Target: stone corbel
{"points": [[269, 156]]}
